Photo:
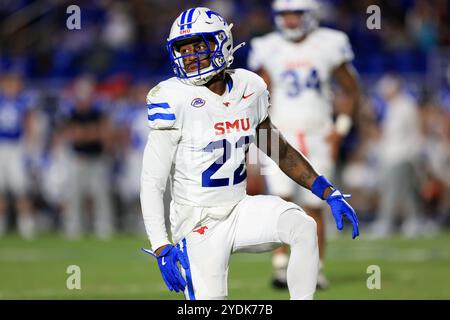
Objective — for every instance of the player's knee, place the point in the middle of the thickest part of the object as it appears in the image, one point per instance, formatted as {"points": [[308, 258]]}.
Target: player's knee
{"points": [[294, 226], [309, 227]]}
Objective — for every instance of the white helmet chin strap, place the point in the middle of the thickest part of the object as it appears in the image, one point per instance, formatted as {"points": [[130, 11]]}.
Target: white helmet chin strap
{"points": [[240, 45], [231, 58]]}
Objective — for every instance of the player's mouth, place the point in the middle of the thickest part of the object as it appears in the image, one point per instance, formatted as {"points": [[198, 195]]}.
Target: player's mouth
{"points": [[193, 66]]}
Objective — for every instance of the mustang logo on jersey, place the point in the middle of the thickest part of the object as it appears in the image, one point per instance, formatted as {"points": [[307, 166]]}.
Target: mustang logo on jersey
{"points": [[227, 126], [201, 230]]}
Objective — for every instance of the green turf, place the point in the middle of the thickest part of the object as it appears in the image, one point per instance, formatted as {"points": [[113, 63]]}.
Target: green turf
{"points": [[410, 269]]}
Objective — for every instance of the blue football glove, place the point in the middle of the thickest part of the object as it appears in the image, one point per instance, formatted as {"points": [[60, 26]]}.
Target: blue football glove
{"points": [[339, 208], [336, 200], [167, 262]]}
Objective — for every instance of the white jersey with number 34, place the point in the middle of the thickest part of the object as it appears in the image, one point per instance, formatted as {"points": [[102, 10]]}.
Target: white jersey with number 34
{"points": [[300, 77]]}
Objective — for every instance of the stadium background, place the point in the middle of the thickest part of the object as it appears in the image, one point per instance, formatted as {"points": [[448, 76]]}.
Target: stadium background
{"points": [[119, 53]]}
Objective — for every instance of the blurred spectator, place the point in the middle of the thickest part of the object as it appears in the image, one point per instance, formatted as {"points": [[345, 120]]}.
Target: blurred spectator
{"points": [[399, 146], [118, 31], [422, 22], [15, 137], [360, 171], [55, 176], [89, 135], [435, 189], [131, 126]]}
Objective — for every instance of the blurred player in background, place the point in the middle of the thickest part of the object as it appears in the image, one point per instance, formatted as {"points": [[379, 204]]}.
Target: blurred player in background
{"points": [[88, 133], [131, 128], [16, 127], [298, 62], [202, 122], [401, 141]]}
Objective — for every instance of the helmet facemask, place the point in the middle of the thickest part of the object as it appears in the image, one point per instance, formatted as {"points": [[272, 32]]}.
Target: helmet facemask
{"points": [[213, 43], [202, 25]]}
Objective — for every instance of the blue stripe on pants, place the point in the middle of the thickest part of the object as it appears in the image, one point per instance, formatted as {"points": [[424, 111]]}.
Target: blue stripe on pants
{"points": [[188, 273]]}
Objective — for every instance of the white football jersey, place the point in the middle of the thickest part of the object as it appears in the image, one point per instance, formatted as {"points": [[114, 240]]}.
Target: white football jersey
{"points": [[209, 167], [300, 77]]}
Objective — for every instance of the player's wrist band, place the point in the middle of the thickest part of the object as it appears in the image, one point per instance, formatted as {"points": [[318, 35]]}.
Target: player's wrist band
{"points": [[343, 124], [319, 185]]}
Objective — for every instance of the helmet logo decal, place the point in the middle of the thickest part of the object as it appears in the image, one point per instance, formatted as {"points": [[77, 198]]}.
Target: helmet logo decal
{"points": [[211, 13]]}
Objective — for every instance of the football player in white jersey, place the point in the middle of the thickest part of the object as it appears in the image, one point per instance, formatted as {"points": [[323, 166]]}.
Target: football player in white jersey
{"points": [[202, 122], [17, 133], [298, 62]]}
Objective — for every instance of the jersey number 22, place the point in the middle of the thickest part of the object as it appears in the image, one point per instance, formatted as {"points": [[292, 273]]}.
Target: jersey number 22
{"points": [[238, 176]]}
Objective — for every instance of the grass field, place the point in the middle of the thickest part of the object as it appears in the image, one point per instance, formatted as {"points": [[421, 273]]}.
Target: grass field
{"points": [[410, 269]]}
